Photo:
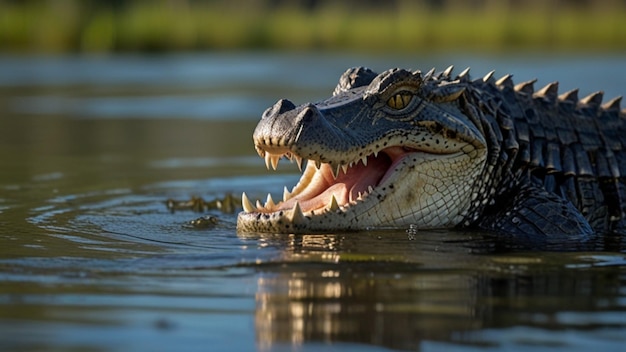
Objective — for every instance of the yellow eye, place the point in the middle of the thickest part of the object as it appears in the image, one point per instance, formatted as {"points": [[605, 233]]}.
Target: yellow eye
{"points": [[400, 100]]}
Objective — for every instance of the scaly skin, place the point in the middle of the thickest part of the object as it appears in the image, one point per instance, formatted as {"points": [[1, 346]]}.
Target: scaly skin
{"points": [[405, 148]]}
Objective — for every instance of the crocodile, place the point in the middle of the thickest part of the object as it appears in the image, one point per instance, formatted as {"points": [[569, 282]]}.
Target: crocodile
{"points": [[434, 150]]}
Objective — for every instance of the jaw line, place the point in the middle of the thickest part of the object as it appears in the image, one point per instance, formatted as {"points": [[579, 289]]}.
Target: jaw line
{"points": [[315, 200], [318, 188], [363, 214]]}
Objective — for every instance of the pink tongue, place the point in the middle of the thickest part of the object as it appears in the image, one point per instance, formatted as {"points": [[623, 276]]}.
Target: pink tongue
{"points": [[318, 193], [360, 177]]}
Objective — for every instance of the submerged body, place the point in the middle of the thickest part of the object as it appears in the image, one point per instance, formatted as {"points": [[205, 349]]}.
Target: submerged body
{"points": [[431, 150]]}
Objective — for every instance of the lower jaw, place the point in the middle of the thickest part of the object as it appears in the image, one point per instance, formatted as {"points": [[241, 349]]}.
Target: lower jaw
{"points": [[251, 223], [345, 217], [320, 216]]}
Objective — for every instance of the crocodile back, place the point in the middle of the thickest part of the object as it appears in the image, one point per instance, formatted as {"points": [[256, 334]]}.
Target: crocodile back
{"points": [[573, 147]]}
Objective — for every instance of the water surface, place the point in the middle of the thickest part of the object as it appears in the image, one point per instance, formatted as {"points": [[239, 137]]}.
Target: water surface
{"points": [[91, 258]]}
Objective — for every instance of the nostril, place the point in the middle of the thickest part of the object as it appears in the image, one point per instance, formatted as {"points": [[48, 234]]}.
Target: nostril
{"points": [[308, 113], [280, 107], [283, 106]]}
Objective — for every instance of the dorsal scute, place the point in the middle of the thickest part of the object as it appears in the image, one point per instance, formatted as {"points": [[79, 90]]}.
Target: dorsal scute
{"points": [[613, 104], [527, 87], [549, 92], [489, 76], [428, 75], [447, 72], [506, 81], [464, 76], [594, 99], [570, 96]]}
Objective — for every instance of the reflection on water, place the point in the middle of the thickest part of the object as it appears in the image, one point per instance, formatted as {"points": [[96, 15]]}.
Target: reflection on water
{"points": [[91, 258], [402, 295]]}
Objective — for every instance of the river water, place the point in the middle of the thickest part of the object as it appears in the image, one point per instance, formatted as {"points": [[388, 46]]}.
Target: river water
{"points": [[92, 259]]}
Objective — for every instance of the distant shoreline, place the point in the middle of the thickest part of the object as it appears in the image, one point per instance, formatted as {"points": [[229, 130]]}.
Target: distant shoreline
{"points": [[406, 27]]}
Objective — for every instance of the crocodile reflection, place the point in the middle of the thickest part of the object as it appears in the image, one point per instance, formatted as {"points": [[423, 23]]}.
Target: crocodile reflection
{"points": [[326, 290], [343, 305]]}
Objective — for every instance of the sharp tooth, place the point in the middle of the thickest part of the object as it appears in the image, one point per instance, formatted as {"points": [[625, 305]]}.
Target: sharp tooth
{"points": [[364, 160], [318, 164], [335, 172], [298, 161], [286, 194], [370, 189], [260, 151], [376, 154], [333, 205], [275, 159], [269, 203], [296, 215], [344, 167], [258, 204], [267, 160], [245, 203]]}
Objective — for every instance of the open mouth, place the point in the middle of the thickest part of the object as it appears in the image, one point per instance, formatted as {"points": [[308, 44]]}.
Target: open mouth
{"points": [[324, 187]]}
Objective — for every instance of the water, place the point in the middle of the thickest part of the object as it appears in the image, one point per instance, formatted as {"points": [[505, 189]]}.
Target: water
{"points": [[92, 259]]}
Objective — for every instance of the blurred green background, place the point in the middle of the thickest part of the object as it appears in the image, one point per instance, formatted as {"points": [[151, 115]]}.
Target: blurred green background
{"points": [[403, 26]]}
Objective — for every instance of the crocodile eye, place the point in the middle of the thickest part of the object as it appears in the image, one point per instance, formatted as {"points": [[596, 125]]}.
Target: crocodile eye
{"points": [[400, 100]]}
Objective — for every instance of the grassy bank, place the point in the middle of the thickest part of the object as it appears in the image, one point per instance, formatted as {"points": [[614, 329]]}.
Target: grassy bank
{"points": [[156, 26]]}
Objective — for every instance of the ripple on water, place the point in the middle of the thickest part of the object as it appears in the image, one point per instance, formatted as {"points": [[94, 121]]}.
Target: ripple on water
{"points": [[137, 222]]}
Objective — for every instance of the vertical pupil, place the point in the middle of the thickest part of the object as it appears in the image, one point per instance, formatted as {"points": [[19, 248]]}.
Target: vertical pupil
{"points": [[406, 99], [399, 101]]}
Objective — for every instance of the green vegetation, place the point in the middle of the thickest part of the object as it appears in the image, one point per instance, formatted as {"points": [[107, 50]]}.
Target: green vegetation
{"points": [[386, 26]]}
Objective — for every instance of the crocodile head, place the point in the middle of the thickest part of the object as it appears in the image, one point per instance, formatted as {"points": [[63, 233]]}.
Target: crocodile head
{"points": [[385, 151]]}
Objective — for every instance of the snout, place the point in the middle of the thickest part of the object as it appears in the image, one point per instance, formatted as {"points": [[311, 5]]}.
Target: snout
{"points": [[282, 123]]}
